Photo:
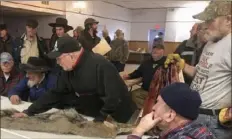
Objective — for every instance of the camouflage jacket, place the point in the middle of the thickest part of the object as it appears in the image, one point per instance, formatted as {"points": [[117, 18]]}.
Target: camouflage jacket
{"points": [[119, 51]]}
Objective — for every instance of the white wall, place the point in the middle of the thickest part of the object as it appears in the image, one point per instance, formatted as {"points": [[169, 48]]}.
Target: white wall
{"points": [[179, 22], [111, 16], [145, 19], [176, 22]]}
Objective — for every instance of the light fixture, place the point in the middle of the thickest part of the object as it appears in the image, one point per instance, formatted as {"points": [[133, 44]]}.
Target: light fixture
{"points": [[79, 5]]}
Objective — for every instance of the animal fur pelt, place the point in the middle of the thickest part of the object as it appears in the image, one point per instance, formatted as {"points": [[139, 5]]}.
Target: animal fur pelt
{"points": [[63, 122]]}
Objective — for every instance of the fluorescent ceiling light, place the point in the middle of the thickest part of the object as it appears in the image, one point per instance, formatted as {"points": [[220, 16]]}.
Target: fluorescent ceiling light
{"points": [[79, 4]]}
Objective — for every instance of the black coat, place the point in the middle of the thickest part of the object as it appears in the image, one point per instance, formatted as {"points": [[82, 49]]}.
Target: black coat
{"points": [[98, 88], [147, 70], [87, 41], [8, 46], [187, 53]]}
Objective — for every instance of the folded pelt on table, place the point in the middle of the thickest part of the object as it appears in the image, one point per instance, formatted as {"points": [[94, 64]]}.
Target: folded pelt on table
{"points": [[63, 122]]}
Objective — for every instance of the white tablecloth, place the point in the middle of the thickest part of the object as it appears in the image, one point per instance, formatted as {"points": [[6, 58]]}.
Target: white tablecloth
{"points": [[19, 134]]}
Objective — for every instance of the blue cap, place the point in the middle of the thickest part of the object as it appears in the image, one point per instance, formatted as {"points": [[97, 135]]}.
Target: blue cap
{"points": [[5, 57], [183, 100]]}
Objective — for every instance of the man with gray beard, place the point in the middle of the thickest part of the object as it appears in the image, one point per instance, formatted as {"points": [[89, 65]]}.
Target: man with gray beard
{"points": [[35, 84], [212, 75]]}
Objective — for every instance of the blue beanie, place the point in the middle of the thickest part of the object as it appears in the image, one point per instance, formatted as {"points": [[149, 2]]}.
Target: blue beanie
{"points": [[183, 100]]}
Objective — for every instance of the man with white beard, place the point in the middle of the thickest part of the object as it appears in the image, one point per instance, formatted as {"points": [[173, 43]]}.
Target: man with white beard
{"points": [[36, 82], [212, 75]]}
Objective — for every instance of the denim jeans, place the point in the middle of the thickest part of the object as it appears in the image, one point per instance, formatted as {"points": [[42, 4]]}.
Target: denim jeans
{"points": [[212, 123]]}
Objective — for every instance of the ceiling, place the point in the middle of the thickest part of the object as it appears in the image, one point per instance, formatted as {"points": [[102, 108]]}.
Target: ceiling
{"points": [[147, 4], [8, 11]]}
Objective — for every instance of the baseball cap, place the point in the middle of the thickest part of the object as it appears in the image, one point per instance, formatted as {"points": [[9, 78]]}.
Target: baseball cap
{"points": [[65, 44], [214, 10], [183, 100], [32, 23], [3, 27], [90, 21], [5, 57], [159, 46]]}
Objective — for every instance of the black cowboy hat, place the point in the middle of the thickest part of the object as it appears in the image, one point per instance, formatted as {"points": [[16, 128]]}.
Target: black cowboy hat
{"points": [[35, 64], [61, 22]]}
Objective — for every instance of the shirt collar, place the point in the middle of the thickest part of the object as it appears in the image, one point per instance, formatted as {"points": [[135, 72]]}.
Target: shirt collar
{"points": [[164, 135], [13, 72]]}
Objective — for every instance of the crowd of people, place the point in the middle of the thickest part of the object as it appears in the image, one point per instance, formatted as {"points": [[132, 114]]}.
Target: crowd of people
{"points": [[66, 73]]}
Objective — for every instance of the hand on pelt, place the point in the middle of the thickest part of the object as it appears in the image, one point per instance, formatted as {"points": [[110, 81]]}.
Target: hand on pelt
{"points": [[172, 58], [225, 117], [19, 115], [100, 118]]}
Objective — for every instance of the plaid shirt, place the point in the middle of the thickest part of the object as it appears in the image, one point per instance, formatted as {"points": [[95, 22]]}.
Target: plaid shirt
{"points": [[191, 130], [6, 85]]}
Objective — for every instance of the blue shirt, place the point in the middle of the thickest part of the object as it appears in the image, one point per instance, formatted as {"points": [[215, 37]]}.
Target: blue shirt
{"points": [[25, 93]]}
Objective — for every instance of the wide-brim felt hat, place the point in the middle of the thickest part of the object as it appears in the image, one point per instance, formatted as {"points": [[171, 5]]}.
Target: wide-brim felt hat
{"points": [[61, 22], [35, 64]]}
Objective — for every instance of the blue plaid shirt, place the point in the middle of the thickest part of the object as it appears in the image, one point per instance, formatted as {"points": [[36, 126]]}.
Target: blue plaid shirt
{"points": [[191, 130]]}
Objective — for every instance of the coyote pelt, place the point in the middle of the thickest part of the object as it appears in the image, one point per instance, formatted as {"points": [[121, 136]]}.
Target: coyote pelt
{"points": [[63, 122]]}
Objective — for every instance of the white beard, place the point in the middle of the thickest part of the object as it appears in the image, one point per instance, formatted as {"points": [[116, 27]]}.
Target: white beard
{"points": [[30, 83]]}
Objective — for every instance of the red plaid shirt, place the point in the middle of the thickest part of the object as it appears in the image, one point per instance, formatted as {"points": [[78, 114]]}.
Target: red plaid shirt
{"points": [[6, 85], [191, 130]]}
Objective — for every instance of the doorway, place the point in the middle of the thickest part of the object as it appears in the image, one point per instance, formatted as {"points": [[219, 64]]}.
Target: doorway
{"points": [[152, 34]]}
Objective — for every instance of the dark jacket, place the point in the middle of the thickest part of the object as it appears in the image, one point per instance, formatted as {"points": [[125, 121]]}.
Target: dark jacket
{"points": [[108, 40], [190, 130], [147, 70], [8, 46], [34, 93], [191, 55], [43, 49], [98, 88], [52, 41], [6, 85], [87, 41]]}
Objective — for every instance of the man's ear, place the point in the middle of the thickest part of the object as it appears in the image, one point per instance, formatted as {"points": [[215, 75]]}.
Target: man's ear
{"points": [[228, 20], [171, 116]]}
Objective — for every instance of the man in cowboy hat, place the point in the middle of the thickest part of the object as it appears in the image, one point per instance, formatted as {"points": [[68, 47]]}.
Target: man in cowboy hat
{"points": [[212, 75], [30, 44], [89, 38], [36, 82], [61, 26], [92, 81]]}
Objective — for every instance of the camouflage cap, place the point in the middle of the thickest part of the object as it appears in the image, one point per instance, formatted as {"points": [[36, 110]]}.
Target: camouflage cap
{"points": [[79, 29], [215, 9]]}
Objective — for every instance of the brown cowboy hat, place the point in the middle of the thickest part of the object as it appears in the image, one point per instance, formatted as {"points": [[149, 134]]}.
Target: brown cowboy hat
{"points": [[61, 22], [35, 64]]}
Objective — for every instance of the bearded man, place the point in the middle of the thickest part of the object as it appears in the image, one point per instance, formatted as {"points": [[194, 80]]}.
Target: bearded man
{"points": [[36, 82]]}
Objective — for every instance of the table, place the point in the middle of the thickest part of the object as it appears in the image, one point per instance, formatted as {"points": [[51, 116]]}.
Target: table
{"points": [[19, 134]]}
